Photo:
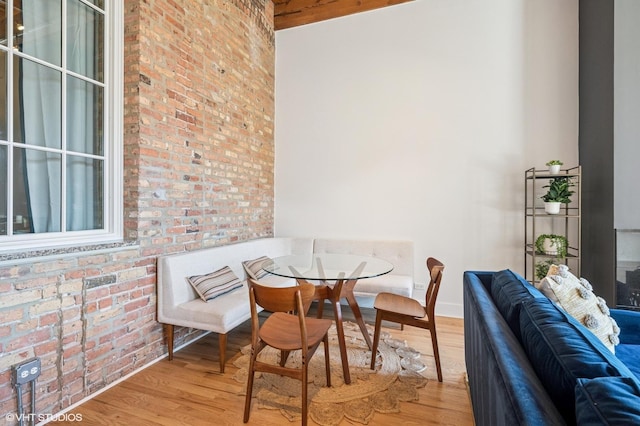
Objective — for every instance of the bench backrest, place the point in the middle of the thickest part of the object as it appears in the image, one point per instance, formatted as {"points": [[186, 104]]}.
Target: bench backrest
{"points": [[173, 287], [400, 253]]}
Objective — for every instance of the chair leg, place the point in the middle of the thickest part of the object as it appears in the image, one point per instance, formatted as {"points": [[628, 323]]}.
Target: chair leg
{"points": [[436, 353], [327, 361], [222, 345], [304, 391], [247, 400], [169, 330], [284, 356], [376, 339]]}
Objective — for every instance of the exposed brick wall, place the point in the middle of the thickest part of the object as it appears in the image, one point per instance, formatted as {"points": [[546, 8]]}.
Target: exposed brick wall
{"points": [[198, 159]]}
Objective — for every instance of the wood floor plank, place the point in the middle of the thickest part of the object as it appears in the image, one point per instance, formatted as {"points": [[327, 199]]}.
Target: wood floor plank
{"points": [[191, 391]]}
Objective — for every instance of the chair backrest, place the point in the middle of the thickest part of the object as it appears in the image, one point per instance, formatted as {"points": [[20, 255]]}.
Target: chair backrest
{"points": [[296, 299], [435, 268], [282, 299]]}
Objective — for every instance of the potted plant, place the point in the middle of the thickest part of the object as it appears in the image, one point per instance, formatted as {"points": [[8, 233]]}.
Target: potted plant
{"points": [[558, 193], [552, 245], [542, 268], [554, 166]]}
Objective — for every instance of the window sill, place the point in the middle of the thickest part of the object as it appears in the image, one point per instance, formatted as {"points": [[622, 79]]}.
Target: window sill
{"points": [[19, 257]]}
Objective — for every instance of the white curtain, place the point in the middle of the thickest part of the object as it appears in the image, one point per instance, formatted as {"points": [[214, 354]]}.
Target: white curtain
{"points": [[42, 102], [40, 90], [80, 118]]}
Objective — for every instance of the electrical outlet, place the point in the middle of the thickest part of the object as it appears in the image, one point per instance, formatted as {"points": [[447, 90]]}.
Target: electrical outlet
{"points": [[26, 371], [420, 286]]}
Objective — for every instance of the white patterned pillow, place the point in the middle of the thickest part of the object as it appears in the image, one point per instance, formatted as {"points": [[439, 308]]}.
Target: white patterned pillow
{"points": [[576, 297], [253, 268], [215, 284]]}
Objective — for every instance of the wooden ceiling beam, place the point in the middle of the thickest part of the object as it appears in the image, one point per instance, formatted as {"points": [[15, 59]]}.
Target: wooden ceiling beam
{"points": [[292, 13]]}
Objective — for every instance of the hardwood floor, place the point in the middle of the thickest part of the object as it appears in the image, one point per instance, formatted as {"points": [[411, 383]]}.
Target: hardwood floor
{"points": [[190, 391]]}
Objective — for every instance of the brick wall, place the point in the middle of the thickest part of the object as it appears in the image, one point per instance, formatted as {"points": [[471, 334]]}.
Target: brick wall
{"points": [[198, 160]]}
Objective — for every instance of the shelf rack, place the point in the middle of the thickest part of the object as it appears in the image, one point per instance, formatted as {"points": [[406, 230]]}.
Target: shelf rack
{"points": [[567, 223]]}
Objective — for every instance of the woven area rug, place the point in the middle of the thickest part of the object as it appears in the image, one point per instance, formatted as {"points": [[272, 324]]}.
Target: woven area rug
{"points": [[396, 378]]}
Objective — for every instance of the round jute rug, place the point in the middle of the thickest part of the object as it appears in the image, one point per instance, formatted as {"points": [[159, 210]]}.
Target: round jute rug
{"points": [[370, 391]]}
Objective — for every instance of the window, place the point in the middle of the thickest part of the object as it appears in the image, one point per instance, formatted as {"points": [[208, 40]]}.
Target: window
{"points": [[60, 122]]}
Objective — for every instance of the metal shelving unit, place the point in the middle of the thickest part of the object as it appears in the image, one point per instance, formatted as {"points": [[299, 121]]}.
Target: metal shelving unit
{"points": [[567, 223]]}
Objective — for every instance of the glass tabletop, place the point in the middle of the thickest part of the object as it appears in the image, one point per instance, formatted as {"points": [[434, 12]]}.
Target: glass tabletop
{"points": [[324, 266]]}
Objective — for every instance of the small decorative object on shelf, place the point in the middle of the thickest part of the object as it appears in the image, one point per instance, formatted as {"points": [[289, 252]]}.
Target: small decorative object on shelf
{"points": [[558, 193], [554, 166], [552, 245]]}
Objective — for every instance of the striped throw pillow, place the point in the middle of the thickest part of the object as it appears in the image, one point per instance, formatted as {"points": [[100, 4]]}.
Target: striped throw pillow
{"points": [[215, 284], [253, 268]]}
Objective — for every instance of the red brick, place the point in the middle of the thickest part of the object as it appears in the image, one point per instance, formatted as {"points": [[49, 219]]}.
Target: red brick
{"points": [[197, 107]]}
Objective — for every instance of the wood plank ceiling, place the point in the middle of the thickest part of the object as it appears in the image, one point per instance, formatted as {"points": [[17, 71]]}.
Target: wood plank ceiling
{"points": [[292, 13]]}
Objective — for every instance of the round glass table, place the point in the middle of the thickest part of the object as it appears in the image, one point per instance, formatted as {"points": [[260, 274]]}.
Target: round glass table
{"points": [[335, 276]]}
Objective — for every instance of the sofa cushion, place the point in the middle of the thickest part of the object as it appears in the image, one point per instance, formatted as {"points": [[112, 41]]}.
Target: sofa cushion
{"points": [[561, 350], [629, 323], [607, 401], [630, 356], [508, 289], [577, 298], [253, 267], [215, 284]]}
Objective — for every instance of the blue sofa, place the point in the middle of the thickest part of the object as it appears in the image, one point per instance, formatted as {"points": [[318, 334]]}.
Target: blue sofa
{"points": [[530, 363]]}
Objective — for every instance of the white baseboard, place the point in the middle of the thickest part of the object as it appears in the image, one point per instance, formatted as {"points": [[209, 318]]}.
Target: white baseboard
{"points": [[454, 310]]}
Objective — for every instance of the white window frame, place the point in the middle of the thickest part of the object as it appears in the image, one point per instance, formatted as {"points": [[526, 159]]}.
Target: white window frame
{"points": [[113, 138]]}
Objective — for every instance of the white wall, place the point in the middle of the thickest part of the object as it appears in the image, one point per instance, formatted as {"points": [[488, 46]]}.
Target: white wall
{"points": [[417, 122]]}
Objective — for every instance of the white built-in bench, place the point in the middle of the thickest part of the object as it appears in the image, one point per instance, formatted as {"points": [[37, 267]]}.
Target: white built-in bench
{"points": [[180, 305]]}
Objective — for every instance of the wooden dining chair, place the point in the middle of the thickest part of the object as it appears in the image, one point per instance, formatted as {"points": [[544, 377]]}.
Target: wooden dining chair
{"points": [[407, 311], [286, 329]]}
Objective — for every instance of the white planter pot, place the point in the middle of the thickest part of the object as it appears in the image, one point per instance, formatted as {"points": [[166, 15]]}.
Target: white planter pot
{"points": [[552, 207], [555, 169], [549, 247]]}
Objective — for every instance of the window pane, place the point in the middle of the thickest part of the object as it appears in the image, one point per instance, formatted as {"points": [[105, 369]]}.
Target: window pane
{"points": [[3, 97], [36, 194], [54, 88], [84, 193], [85, 40], [41, 36], [37, 120], [3, 190], [3, 27], [84, 116], [6, 17], [20, 203]]}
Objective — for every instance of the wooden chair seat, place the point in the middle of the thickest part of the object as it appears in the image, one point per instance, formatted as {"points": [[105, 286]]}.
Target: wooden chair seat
{"points": [[394, 303], [276, 331]]}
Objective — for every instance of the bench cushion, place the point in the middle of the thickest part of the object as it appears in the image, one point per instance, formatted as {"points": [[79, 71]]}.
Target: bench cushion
{"points": [[397, 284], [219, 315]]}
